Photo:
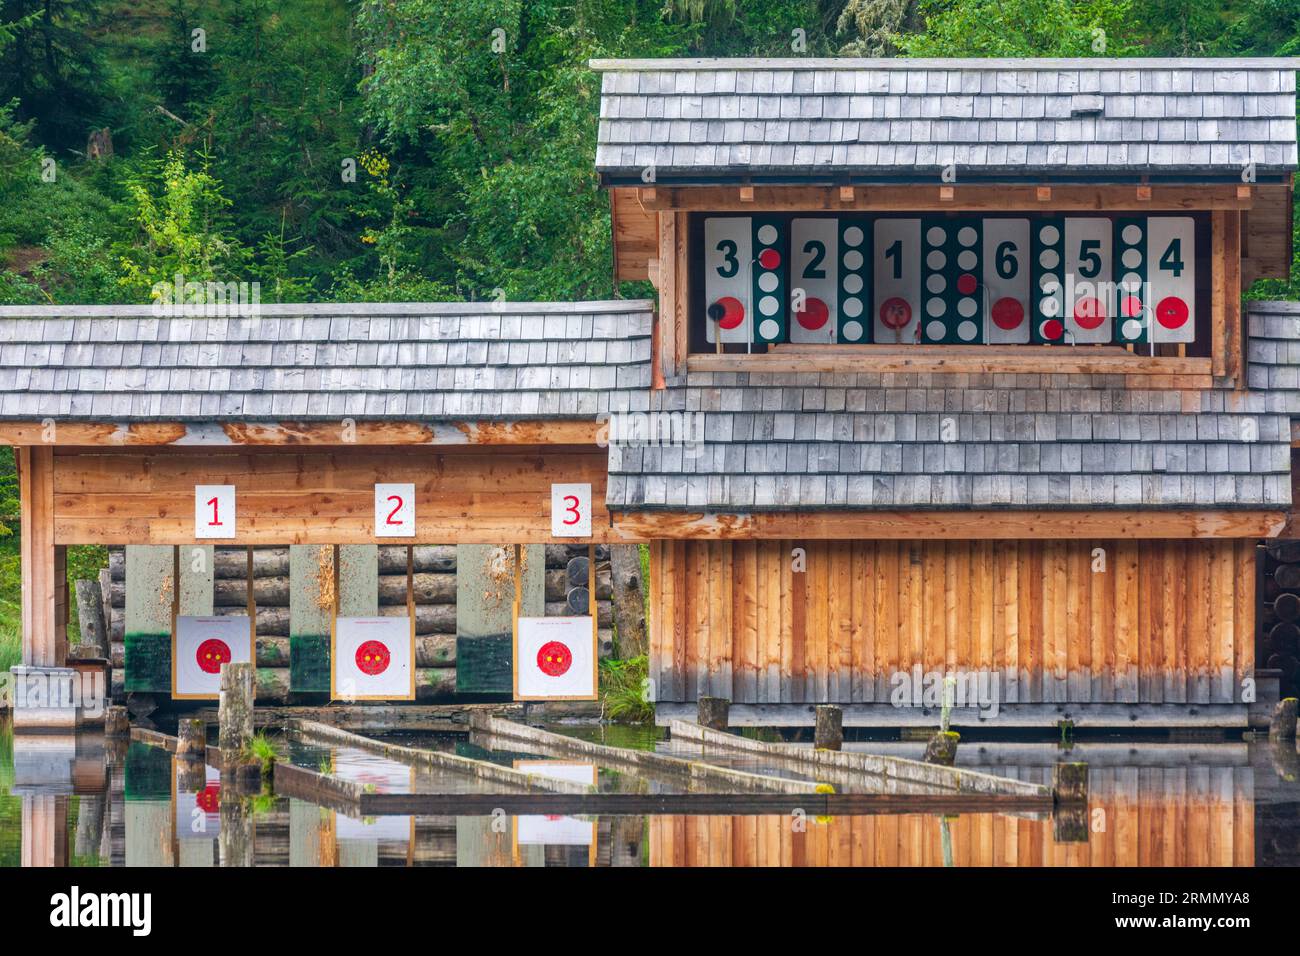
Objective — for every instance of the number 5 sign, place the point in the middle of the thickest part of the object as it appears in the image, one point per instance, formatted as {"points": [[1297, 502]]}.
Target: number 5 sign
{"points": [[395, 511], [571, 511], [214, 511]]}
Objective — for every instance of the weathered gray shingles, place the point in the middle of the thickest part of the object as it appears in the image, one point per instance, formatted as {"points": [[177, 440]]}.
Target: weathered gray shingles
{"points": [[732, 119], [493, 364]]}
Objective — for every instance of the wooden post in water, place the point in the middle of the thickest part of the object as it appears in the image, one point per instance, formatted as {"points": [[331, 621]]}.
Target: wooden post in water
{"points": [[829, 734], [116, 723], [1282, 724], [1070, 782], [191, 738], [235, 841], [235, 712], [714, 712]]}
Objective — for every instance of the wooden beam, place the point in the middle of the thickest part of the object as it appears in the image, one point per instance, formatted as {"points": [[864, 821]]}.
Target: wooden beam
{"points": [[954, 525], [1234, 366], [1218, 292], [910, 198], [340, 433], [44, 643], [668, 284], [1028, 359]]}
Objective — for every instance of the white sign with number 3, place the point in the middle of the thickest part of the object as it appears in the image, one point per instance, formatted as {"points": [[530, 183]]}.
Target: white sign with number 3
{"points": [[214, 511], [395, 510], [570, 511]]}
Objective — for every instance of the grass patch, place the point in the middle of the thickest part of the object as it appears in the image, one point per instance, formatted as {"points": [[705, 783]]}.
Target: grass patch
{"points": [[623, 689]]}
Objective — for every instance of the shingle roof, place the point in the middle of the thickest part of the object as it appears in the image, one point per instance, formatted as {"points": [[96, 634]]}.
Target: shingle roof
{"points": [[817, 441], [782, 120], [426, 361]]}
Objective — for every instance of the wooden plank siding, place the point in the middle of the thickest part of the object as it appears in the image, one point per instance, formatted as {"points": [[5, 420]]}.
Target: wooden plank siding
{"points": [[1101, 621], [319, 496], [1154, 816]]}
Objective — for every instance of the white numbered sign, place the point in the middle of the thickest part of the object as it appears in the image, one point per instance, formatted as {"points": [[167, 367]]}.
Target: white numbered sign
{"points": [[214, 511], [814, 258], [1088, 271], [1171, 278], [728, 261], [571, 511], [394, 510], [1006, 280], [897, 280]]}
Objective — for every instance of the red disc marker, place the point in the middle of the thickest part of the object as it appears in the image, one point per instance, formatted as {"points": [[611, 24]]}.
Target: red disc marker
{"points": [[554, 658], [211, 654], [373, 658]]}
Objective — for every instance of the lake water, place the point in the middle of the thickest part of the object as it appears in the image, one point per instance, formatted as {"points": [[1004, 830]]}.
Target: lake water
{"points": [[82, 801]]}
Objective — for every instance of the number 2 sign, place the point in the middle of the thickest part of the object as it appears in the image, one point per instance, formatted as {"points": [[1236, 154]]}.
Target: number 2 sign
{"points": [[214, 511], [571, 511], [395, 510]]}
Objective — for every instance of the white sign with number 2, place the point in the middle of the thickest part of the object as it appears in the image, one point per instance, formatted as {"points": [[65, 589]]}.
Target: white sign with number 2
{"points": [[570, 511], [395, 510], [214, 511]]}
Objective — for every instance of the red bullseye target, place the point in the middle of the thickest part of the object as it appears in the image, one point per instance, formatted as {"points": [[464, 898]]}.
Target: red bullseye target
{"points": [[554, 658], [373, 657], [211, 654], [1008, 313], [733, 312], [1089, 313], [814, 314], [1172, 312], [895, 313], [209, 798]]}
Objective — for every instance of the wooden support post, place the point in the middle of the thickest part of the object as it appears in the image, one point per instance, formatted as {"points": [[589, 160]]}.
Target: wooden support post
{"points": [[1235, 367], [1070, 782], [191, 738], [668, 358], [1218, 293], [829, 734], [44, 645], [1282, 725], [235, 841], [235, 712], [90, 612], [116, 723], [714, 712]]}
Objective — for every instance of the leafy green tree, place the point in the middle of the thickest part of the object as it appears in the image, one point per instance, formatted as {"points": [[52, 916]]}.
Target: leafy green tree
{"points": [[1021, 28]]}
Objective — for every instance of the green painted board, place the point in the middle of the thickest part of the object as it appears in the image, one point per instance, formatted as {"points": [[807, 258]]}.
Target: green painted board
{"points": [[484, 605], [148, 630], [309, 621]]}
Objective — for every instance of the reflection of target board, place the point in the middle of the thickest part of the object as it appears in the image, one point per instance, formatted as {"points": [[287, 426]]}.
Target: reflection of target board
{"points": [[555, 658], [896, 280], [555, 829], [375, 775], [373, 658], [201, 647], [198, 813]]}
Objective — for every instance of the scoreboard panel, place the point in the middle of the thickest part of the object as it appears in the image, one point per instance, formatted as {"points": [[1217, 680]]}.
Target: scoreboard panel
{"points": [[859, 278]]}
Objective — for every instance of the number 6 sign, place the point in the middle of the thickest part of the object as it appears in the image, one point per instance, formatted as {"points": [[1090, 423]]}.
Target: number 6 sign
{"points": [[571, 511], [214, 511], [395, 510]]}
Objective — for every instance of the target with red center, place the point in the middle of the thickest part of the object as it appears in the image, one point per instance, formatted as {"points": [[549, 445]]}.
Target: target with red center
{"points": [[731, 312], [814, 280], [209, 798], [554, 658], [896, 279], [1171, 277], [1088, 279], [197, 813], [895, 313], [1172, 312], [373, 658], [1006, 280], [201, 647], [814, 315], [211, 654], [728, 293], [1089, 313]]}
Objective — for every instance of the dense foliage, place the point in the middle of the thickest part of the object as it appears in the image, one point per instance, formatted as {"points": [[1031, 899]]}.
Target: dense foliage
{"points": [[419, 149]]}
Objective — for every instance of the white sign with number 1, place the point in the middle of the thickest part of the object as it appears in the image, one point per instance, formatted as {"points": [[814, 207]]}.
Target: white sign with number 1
{"points": [[570, 511], [395, 510], [214, 511]]}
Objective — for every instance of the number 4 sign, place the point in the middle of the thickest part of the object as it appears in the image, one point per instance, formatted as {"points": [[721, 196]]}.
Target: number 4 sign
{"points": [[571, 511], [395, 510], [214, 511]]}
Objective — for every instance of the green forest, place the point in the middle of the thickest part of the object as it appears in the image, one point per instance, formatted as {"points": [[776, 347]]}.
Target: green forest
{"points": [[389, 150]]}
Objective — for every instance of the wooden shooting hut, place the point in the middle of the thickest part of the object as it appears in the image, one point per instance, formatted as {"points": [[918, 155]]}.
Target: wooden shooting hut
{"points": [[949, 373]]}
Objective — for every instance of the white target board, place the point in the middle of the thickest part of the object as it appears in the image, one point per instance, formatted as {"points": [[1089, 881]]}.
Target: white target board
{"points": [[728, 256], [198, 815], [204, 645], [214, 511], [1007, 280], [535, 830], [1171, 278], [373, 658], [555, 658], [1088, 280], [814, 280], [571, 511], [896, 276], [395, 510]]}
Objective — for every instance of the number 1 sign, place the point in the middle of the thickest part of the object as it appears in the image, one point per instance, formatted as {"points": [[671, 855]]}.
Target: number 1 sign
{"points": [[214, 511], [395, 510], [571, 511]]}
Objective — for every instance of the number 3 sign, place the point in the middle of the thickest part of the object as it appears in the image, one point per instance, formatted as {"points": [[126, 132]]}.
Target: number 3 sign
{"points": [[214, 511], [571, 511], [395, 510]]}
